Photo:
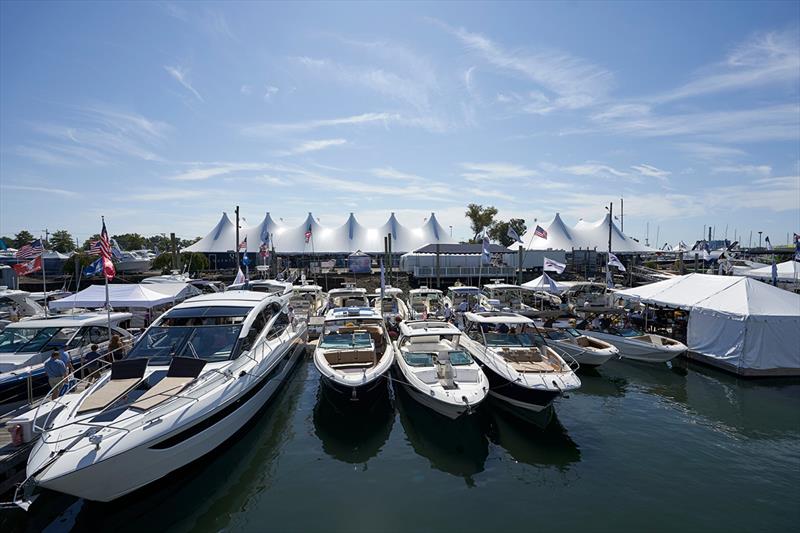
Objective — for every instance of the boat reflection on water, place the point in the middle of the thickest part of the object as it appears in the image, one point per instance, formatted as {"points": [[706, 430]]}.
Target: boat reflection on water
{"points": [[458, 447], [204, 493], [527, 444], [353, 432], [595, 383]]}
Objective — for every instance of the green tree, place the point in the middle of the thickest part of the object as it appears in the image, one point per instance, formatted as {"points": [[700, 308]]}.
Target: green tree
{"points": [[158, 242], [194, 262], [22, 238], [183, 243], [61, 241], [84, 260], [499, 230], [88, 242], [481, 218], [130, 241]]}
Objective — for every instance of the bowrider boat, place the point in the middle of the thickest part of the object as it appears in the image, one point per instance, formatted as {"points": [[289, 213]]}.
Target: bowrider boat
{"points": [[26, 345], [506, 297], [307, 300], [458, 294], [391, 305], [347, 296], [425, 303], [436, 371], [585, 350], [194, 378], [633, 344], [522, 370], [354, 351]]}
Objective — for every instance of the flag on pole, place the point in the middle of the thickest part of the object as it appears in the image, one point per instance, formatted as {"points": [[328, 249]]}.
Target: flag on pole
{"points": [[513, 234], [265, 236], [29, 251], [796, 247], [94, 248], [769, 244], [105, 254], [486, 255], [243, 245], [239, 279], [308, 234], [29, 267], [93, 269], [553, 266], [614, 261], [540, 232]]}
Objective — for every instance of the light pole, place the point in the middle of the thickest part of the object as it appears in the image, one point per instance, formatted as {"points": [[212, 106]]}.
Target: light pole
{"points": [[759, 238], [451, 232]]}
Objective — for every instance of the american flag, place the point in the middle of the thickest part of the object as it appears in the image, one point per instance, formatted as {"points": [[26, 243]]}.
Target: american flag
{"points": [[105, 253], [29, 251], [308, 234], [94, 248], [540, 232]]}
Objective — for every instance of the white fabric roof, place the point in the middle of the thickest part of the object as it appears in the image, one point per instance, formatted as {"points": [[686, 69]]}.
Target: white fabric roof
{"points": [[132, 295], [546, 283], [176, 291], [349, 237], [592, 235], [787, 271]]}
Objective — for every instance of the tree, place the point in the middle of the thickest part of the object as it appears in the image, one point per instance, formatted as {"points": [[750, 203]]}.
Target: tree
{"points": [[158, 242], [194, 262], [480, 218], [61, 241], [183, 243], [499, 230], [22, 238], [88, 242], [84, 260], [130, 241]]}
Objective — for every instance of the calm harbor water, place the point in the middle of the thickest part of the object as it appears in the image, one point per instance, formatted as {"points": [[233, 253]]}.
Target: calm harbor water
{"points": [[638, 447]]}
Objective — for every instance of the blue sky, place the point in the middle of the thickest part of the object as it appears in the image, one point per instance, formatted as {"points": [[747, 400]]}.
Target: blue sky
{"points": [[163, 115]]}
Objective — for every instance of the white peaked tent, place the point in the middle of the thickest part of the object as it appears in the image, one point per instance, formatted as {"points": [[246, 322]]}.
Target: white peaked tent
{"points": [[735, 322], [94, 296], [347, 238], [545, 283], [591, 235], [788, 271]]}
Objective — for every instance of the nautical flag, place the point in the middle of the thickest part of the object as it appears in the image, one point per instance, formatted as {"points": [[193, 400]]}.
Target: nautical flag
{"points": [[243, 245], [769, 244], [796, 247], [486, 255], [94, 248], [308, 234], [95, 268], [29, 251], [105, 254], [263, 250], [4, 247], [513, 234], [246, 260], [264, 236], [29, 267], [615, 262], [239, 279], [540, 232], [774, 272], [553, 266]]}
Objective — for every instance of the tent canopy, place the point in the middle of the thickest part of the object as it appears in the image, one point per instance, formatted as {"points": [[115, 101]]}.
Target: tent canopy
{"points": [[787, 271], [591, 235], [140, 296], [545, 283]]}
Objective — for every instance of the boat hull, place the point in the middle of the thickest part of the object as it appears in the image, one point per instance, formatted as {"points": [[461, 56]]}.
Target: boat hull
{"points": [[521, 397], [123, 473], [638, 350], [447, 409], [354, 393], [583, 356]]}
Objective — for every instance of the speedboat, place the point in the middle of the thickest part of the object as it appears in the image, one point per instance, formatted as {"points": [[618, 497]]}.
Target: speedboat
{"points": [[436, 371], [584, 295], [25, 346], [425, 303], [269, 286], [173, 277], [522, 369], [633, 344], [585, 350], [463, 294], [307, 300], [506, 297], [391, 305], [133, 262], [354, 352], [16, 305], [347, 296], [197, 375]]}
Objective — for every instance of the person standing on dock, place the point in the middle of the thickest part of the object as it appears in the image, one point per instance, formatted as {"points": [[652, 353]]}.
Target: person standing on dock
{"points": [[56, 372]]}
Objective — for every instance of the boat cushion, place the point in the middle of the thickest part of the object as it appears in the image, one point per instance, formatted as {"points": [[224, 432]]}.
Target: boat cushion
{"points": [[125, 376], [350, 357]]}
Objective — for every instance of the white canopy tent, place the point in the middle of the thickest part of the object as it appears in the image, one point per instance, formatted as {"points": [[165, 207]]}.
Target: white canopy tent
{"points": [[546, 283], [788, 271], [349, 237], [735, 322], [586, 235], [133, 295]]}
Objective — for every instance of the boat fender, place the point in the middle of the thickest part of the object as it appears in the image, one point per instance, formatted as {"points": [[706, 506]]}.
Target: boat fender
{"points": [[16, 435]]}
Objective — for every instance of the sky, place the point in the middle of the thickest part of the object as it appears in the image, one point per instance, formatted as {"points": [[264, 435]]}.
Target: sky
{"points": [[161, 116]]}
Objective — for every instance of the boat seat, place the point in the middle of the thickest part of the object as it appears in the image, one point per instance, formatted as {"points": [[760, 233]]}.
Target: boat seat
{"points": [[350, 358], [428, 376], [125, 376], [466, 375], [181, 372]]}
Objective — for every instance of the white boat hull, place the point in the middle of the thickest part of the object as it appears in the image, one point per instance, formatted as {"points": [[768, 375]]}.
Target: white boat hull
{"points": [[630, 348], [134, 266], [586, 356]]}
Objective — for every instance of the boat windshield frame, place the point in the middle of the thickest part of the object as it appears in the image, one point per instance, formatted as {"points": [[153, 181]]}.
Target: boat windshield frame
{"points": [[43, 342]]}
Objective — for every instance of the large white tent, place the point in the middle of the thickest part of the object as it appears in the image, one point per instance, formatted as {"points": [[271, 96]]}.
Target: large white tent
{"points": [[735, 322], [546, 283], [133, 295], [585, 235], [788, 271], [347, 238]]}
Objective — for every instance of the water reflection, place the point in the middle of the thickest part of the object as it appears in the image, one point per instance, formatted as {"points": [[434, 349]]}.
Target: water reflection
{"points": [[594, 383], [457, 447], [353, 432], [530, 445]]}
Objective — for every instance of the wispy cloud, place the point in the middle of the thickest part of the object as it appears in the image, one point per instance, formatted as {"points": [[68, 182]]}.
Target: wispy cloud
{"points": [[479, 172], [745, 170], [390, 173], [37, 189], [172, 194], [713, 152], [273, 128], [571, 82], [204, 171], [181, 75], [313, 146], [590, 168], [651, 172]]}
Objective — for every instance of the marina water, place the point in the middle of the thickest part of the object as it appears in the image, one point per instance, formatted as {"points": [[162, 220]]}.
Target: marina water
{"points": [[639, 447]]}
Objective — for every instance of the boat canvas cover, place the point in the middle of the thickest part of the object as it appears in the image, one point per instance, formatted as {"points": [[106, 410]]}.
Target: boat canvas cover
{"points": [[133, 295], [788, 271], [737, 320]]}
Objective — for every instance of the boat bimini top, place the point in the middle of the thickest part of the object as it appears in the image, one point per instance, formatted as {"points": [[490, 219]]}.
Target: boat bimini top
{"points": [[498, 317]]}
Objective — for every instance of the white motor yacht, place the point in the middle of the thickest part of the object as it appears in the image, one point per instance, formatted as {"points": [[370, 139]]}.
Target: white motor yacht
{"points": [[25, 346], [458, 294], [347, 296], [633, 344], [436, 371], [392, 304], [506, 297], [16, 305], [133, 262], [354, 352], [173, 277], [425, 303], [522, 370], [269, 286], [307, 300], [197, 375], [587, 351]]}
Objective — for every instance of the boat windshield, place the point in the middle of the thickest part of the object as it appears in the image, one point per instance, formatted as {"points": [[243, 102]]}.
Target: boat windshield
{"points": [[629, 332], [557, 335], [508, 339], [460, 358], [344, 341], [418, 358], [34, 340]]}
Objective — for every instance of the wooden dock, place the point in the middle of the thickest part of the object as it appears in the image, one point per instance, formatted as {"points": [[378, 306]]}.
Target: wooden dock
{"points": [[13, 459]]}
